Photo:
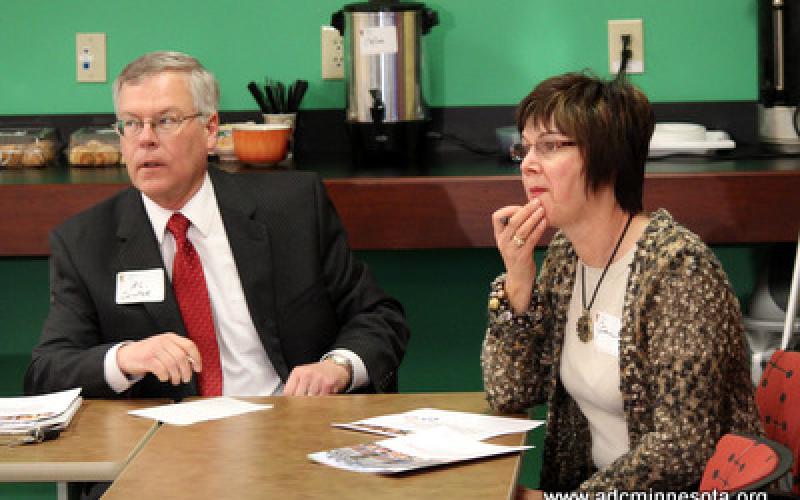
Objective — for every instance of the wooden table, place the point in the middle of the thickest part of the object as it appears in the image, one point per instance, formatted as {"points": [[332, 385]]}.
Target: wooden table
{"points": [[263, 455], [98, 443]]}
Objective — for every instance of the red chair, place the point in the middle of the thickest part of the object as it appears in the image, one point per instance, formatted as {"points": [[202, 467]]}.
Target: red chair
{"points": [[778, 400], [744, 463]]}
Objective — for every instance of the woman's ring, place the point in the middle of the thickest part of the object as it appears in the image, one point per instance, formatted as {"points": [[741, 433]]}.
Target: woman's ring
{"points": [[518, 241]]}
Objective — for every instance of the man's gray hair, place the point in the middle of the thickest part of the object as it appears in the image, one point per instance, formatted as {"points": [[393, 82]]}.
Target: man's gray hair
{"points": [[202, 84]]}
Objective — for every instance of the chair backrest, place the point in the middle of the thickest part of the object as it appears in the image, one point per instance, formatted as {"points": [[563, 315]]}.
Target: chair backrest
{"points": [[778, 400], [793, 301], [744, 463]]}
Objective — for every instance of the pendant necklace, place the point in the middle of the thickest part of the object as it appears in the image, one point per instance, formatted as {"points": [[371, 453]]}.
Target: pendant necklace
{"points": [[584, 325]]}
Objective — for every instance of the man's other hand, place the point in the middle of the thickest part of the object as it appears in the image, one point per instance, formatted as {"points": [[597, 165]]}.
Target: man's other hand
{"points": [[317, 379]]}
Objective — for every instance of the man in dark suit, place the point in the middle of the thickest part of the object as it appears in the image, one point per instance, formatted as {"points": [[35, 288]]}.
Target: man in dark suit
{"points": [[195, 281]]}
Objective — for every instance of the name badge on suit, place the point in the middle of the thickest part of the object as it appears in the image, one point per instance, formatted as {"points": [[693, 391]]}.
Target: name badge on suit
{"points": [[136, 287]]}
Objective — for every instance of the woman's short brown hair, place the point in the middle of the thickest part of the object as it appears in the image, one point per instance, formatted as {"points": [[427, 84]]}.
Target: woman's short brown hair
{"points": [[611, 122]]}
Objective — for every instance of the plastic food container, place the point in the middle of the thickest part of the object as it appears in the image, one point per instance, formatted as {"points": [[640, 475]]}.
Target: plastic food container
{"points": [[224, 147], [94, 147], [27, 147], [506, 137]]}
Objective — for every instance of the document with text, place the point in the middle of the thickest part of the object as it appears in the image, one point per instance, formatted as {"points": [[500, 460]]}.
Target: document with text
{"points": [[426, 448], [51, 411], [470, 425]]}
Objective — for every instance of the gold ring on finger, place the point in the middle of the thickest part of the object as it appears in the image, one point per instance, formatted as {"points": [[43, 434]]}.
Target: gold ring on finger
{"points": [[517, 240]]}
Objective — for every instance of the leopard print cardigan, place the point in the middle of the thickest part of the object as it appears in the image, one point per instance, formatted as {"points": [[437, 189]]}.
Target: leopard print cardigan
{"points": [[684, 373]]}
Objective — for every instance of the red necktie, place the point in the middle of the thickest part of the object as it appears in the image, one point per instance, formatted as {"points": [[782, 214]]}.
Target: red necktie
{"points": [[190, 288]]}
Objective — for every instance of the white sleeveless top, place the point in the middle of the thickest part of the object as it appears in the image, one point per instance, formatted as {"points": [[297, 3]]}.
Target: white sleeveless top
{"points": [[590, 371]]}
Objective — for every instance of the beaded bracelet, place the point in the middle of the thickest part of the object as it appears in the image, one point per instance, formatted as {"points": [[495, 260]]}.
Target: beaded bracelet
{"points": [[500, 310]]}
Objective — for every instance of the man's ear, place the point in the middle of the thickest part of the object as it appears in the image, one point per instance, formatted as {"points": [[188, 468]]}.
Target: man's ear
{"points": [[212, 127]]}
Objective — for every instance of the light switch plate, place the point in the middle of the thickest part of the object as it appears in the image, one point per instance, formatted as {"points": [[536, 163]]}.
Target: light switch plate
{"points": [[90, 57], [616, 29]]}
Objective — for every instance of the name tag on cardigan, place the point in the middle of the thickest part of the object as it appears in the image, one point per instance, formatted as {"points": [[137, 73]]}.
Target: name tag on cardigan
{"points": [[606, 333], [135, 287]]}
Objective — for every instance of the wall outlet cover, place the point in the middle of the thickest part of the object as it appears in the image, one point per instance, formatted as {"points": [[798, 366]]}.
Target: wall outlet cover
{"points": [[332, 51], [616, 29]]}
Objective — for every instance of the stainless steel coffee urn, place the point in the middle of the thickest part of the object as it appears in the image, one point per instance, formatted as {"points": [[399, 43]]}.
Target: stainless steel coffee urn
{"points": [[779, 74], [385, 111]]}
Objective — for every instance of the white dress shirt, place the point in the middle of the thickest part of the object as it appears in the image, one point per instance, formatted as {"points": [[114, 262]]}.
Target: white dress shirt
{"points": [[246, 369]]}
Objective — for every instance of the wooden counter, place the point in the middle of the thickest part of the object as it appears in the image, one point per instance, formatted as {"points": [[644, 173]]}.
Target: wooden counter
{"points": [[446, 204]]}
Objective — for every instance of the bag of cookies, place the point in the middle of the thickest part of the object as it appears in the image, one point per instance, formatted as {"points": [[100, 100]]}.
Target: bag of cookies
{"points": [[27, 147], [94, 147]]}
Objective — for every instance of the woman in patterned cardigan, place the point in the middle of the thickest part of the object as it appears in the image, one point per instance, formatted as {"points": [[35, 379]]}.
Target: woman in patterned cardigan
{"points": [[631, 332]]}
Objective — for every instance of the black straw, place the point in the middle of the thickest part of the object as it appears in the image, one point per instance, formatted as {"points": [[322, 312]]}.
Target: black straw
{"points": [[258, 96]]}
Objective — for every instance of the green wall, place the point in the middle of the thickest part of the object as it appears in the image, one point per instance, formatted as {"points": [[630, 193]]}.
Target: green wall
{"points": [[483, 53]]}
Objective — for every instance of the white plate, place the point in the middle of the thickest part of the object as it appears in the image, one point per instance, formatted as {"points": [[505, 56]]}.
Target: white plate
{"points": [[715, 139]]}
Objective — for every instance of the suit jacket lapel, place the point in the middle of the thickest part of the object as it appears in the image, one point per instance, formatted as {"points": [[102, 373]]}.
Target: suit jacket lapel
{"points": [[138, 249], [250, 244]]}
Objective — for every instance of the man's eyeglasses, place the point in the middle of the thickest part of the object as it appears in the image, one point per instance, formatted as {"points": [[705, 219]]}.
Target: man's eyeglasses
{"points": [[545, 148], [162, 125]]}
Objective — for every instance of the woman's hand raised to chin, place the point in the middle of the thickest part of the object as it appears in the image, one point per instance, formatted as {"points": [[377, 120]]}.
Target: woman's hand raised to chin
{"points": [[517, 230]]}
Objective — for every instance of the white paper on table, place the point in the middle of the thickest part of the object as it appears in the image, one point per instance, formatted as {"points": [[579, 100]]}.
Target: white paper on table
{"points": [[446, 444], [471, 425], [198, 411], [28, 408], [428, 448]]}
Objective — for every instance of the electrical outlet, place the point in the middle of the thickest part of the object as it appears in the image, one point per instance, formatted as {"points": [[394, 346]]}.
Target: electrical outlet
{"points": [[332, 54], [616, 29], [90, 57]]}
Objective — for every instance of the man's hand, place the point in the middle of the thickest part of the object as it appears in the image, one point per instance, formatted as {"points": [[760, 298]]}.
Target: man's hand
{"points": [[168, 356], [317, 379]]}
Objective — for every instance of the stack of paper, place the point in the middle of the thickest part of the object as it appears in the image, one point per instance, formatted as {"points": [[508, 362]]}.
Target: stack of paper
{"points": [[424, 438], [29, 415]]}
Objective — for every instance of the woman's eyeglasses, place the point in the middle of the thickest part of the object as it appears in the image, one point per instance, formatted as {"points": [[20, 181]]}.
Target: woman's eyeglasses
{"points": [[544, 148]]}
